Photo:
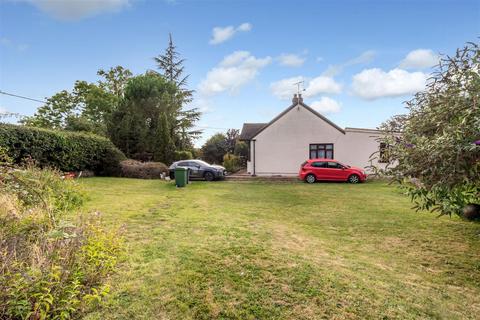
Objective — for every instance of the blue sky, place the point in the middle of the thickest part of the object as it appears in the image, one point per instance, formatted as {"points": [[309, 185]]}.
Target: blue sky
{"points": [[358, 59]]}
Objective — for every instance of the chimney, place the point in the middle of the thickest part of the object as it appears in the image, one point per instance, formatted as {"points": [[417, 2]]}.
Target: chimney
{"points": [[295, 99], [300, 99]]}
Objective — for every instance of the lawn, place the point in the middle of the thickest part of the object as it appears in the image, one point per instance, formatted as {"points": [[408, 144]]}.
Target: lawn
{"points": [[253, 250]]}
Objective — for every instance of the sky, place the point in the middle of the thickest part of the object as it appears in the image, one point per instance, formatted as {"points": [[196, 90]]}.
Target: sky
{"points": [[358, 61]]}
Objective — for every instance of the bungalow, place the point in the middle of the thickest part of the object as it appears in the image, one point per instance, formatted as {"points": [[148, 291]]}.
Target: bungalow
{"points": [[299, 133]]}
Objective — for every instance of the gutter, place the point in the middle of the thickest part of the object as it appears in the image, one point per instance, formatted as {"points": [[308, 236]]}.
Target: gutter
{"points": [[253, 158]]}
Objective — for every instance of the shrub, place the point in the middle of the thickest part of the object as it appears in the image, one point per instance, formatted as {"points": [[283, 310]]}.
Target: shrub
{"points": [[35, 188], [232, 163], [241, 150], [66, 151], [142, 170], [50, 268], [183, 155], [436, 157]]}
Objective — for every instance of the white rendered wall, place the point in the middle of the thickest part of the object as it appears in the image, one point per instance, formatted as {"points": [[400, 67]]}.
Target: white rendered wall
{"points": [[283, 146]]}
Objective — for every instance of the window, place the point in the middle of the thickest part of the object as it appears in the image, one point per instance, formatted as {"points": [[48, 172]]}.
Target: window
{"points": [[321, 150], [334, 165], [384, 153], [319, 164]]}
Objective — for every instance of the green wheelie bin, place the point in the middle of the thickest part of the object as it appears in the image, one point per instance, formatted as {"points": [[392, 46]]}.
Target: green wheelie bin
{"points": [[181, 176]]}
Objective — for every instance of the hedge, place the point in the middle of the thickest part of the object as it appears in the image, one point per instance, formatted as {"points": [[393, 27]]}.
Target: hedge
{"points": [[143, 170], [66, 151]]}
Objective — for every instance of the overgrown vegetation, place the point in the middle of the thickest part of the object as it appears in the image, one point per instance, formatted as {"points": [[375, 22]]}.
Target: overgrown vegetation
{"points": [[50, 267], [65, 151], [434, 150]]}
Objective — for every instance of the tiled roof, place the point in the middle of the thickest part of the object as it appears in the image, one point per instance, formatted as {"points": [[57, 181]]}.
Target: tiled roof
{"points": [[249, 130]]}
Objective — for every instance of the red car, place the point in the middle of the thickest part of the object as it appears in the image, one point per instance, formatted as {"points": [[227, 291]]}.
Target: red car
{"points": [[329, 169]]}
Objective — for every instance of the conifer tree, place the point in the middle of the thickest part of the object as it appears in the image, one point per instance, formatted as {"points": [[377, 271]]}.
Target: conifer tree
{"points": [[171, 68]]}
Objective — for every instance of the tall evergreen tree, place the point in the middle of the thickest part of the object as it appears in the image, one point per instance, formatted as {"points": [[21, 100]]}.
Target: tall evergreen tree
{"points": [[171, 68], [165, 149]]}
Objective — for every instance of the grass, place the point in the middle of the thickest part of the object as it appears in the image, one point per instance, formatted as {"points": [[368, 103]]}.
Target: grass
{"points": [[253, 250]]}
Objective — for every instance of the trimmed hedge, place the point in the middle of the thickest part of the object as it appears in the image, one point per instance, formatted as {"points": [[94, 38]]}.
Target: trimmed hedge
{"points": [[66, 151], [142, 170]]}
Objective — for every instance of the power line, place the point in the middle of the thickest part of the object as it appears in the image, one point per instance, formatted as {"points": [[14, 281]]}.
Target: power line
{"points": [[21, 97], [43, 101]]}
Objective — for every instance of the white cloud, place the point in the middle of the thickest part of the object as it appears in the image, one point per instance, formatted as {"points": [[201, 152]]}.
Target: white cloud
{"points": [[233, 72], [335, 69], [220, 34], [285, 88], [291, 60], [244, 27], [365, 57], [322, 84], [375, 83], [326, 105], [77, 9], [2, 110], [420, 59]]}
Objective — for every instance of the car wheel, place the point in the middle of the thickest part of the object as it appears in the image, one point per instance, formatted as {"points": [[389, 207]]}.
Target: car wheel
{"points": [[310, 178], [208, 176], [354, 178]]}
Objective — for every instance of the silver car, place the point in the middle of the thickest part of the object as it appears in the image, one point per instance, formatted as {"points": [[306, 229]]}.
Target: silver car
{"points": [[199, 170]]}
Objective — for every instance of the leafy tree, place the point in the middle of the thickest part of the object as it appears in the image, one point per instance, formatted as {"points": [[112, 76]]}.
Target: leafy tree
{"points": [[434, 150], [141, 125], [215, 148], [79, 124], [171, 68], [87, 107], [54, 112], [94, 104], [231, 139], [241, 149], [114, 80]]}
